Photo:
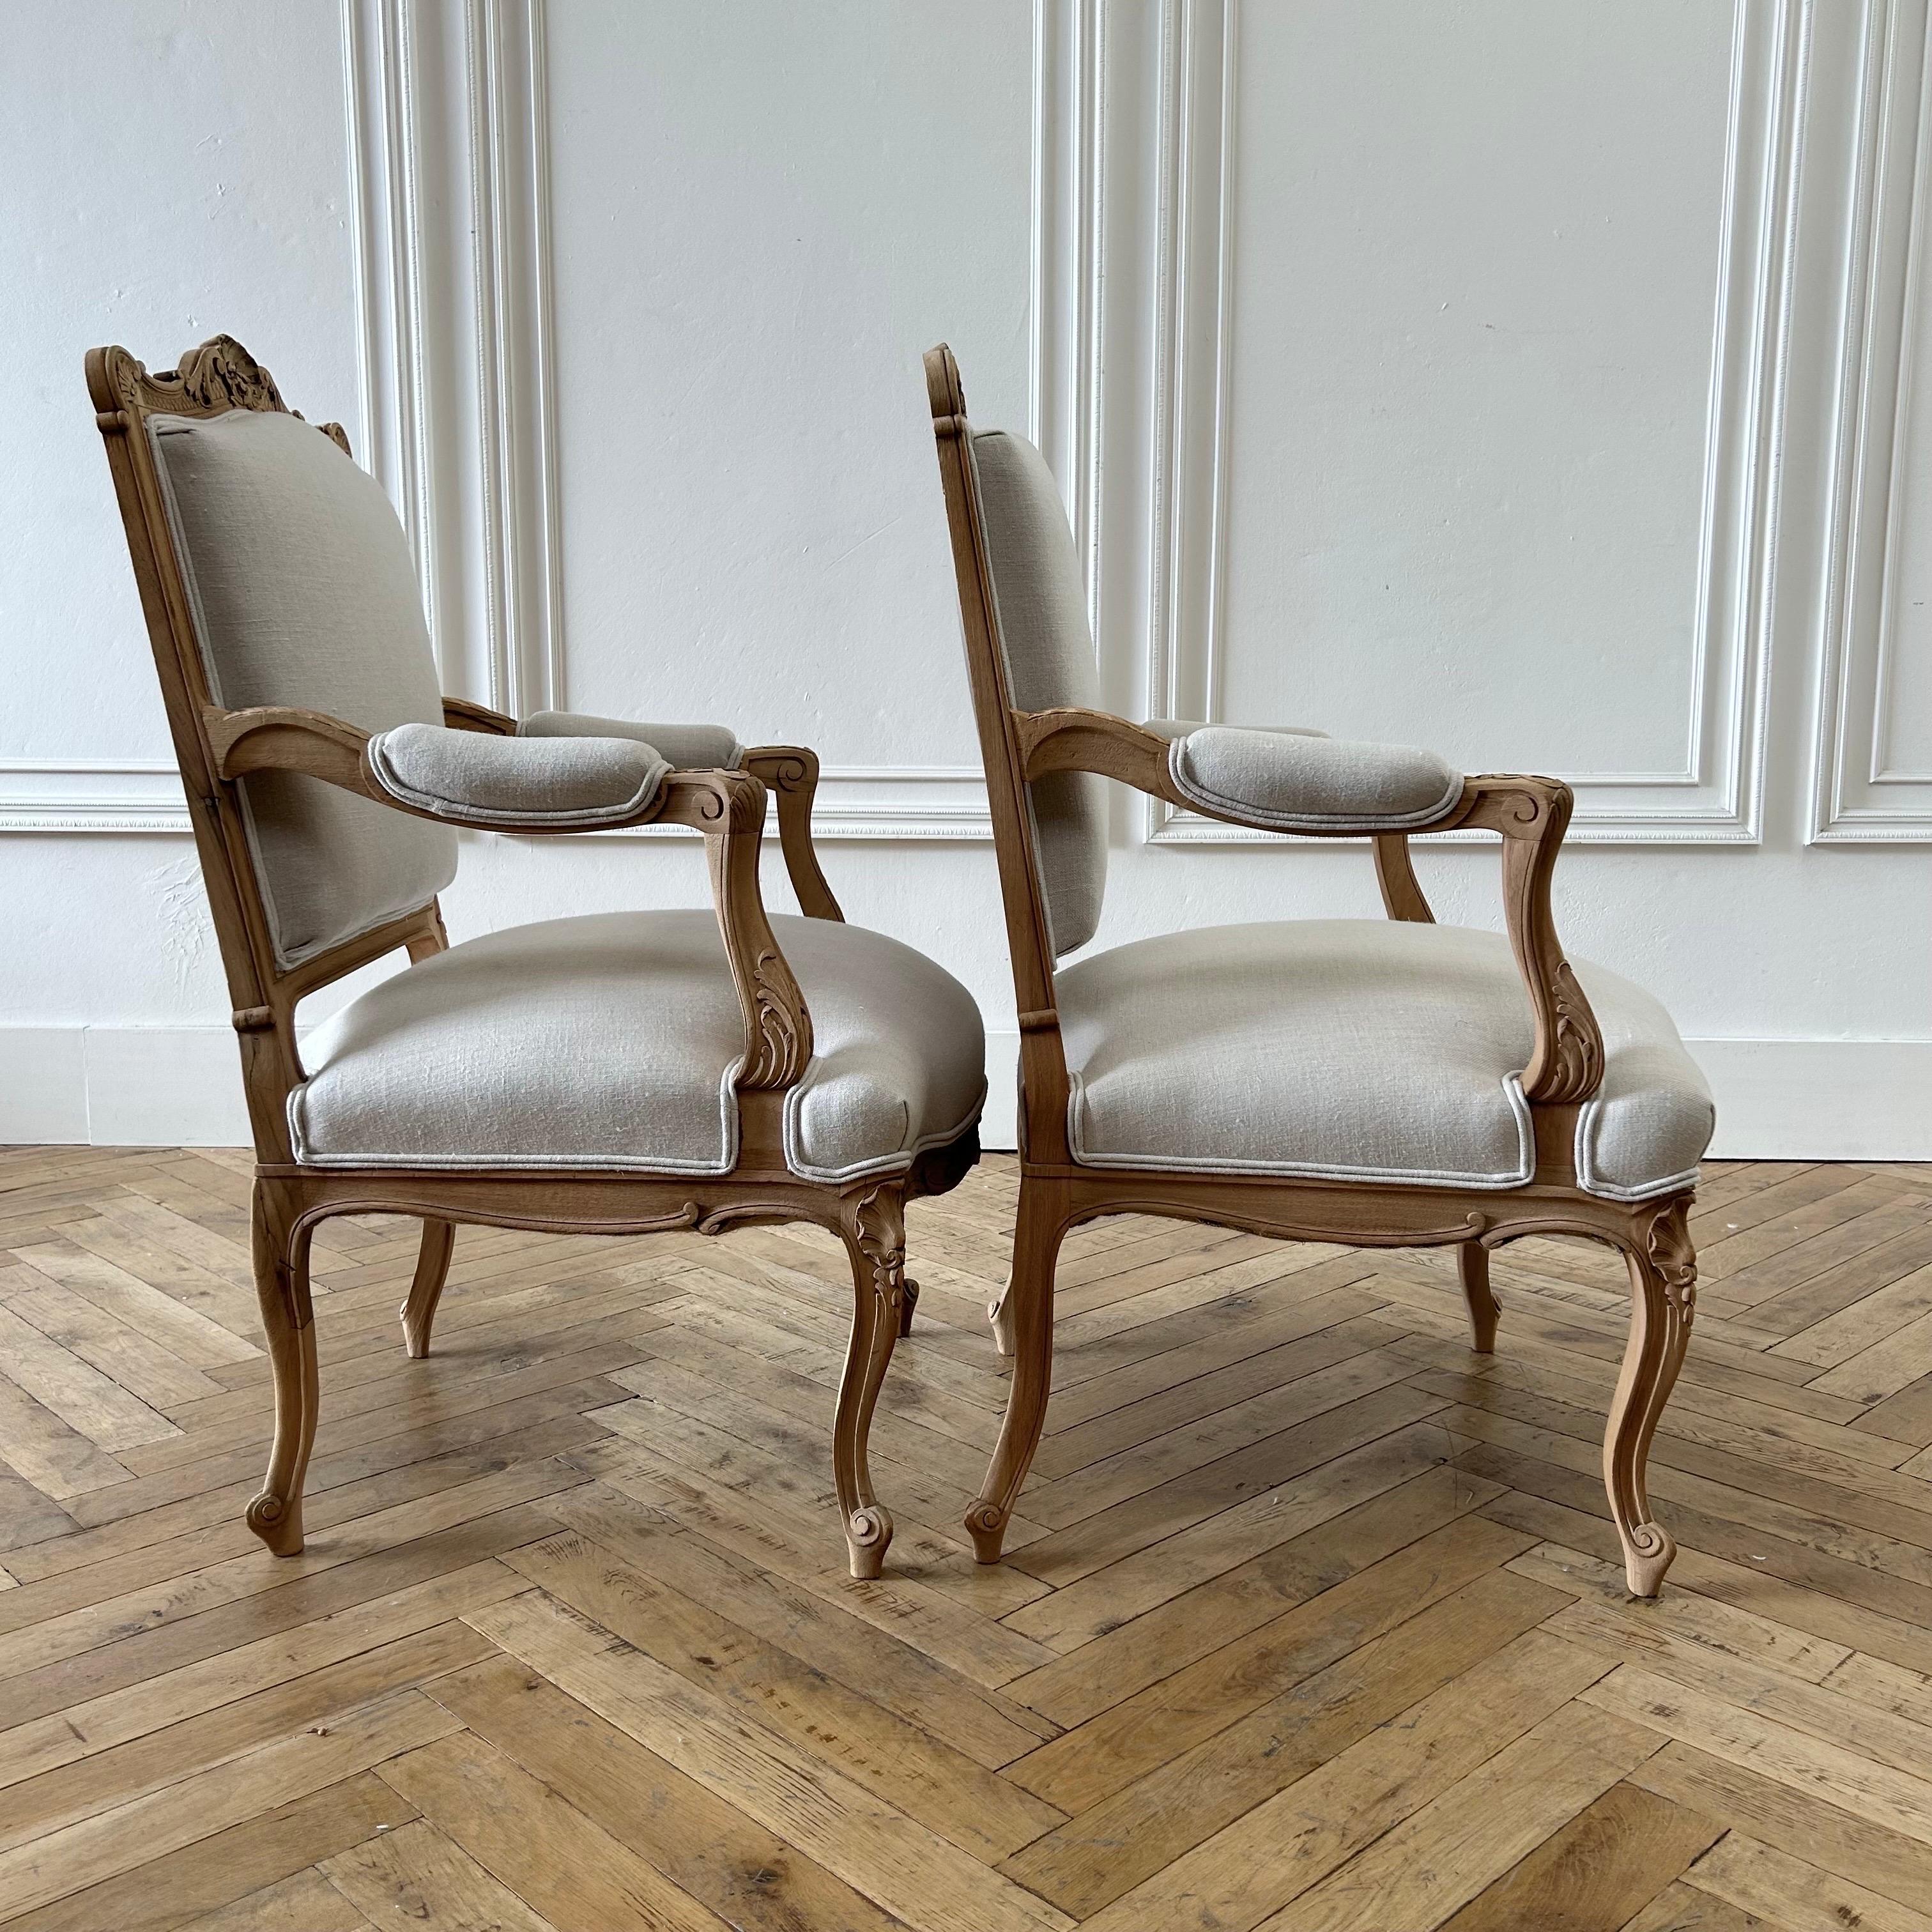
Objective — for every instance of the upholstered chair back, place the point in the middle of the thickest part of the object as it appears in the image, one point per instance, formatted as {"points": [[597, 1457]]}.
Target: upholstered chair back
{"points": [[302, 592], [1040, 602]]}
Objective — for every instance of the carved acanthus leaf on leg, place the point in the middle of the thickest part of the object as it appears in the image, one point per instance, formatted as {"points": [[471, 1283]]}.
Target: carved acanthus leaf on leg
{"points": [[1672, 1255], [876, 1241]]}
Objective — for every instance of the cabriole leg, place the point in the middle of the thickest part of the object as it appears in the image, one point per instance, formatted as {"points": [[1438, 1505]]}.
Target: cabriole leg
{"points": [[1472, 1262], [1027, 1308], [906, 1311], [876, 1239], [281, 1284], [1663, 1296], [418, 1312]]}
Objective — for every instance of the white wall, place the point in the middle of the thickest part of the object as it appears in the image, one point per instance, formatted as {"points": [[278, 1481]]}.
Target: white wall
{"points": [[1536, 382]]}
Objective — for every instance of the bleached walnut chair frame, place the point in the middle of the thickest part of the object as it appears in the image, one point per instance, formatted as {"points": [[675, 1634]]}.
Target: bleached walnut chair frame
{"points": [[218, 748], [1060, 1189]]}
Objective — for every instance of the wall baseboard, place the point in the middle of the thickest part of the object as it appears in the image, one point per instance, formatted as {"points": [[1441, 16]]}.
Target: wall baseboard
{"points": [[1778, 1099]]}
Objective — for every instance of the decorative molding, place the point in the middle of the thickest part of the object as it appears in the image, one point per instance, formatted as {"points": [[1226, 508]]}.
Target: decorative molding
{"points": [[509, 154], [92, 795], [1068, 215], [942, 803], [1717, 798], [448, 111], [1857, 796], [1193, 300], [379, 55]]}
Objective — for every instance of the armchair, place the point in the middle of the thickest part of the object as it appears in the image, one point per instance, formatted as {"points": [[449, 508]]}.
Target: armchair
{"points": [[1395, 1084], [620, 1074]]}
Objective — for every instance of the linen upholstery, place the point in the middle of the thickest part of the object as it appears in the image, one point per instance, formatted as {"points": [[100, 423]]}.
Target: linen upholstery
{"points": [[1359, 1050], [533, 783], [1294, 782], [610, 1042], [690, 748], [302, 592], [1041, 605]]}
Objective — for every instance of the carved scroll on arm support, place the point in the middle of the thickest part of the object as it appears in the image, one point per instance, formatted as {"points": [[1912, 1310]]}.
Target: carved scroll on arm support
{"points": [[791, 773], [1532, 814], [778, 1026]]}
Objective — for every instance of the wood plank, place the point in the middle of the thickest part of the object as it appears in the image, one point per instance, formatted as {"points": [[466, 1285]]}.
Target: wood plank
{"points": [[215, 1871], [831, 1726], [538, 1844], [1133, 1833], [877, 1849], [418, 1880], [746, 1874], [111, 1842], [1762, 1878], [1456, 1845], [1275, 1853], [1597, 1873]]}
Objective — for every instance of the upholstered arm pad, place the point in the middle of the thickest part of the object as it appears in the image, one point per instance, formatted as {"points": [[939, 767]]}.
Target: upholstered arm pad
{"points": [[1294, 782], [689, 748], [516, 782]]}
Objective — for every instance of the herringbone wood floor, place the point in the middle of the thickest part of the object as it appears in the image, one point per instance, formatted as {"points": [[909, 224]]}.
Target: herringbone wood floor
{"points": [[1311, 1620]]}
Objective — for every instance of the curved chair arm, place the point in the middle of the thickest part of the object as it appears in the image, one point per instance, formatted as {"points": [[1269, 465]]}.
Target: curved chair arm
{"points": [[727, 807], [790, 773], [460, 714], [1566, 1064]]}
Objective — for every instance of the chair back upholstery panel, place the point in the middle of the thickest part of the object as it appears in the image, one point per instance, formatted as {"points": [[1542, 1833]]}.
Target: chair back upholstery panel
{"points": [[303, 592], [1040, 601]]}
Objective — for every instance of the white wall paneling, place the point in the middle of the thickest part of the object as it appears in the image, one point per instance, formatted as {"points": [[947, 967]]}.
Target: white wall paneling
{"points": [[1704, 784], [1540, 382], [1872, 777], [449, 146]]}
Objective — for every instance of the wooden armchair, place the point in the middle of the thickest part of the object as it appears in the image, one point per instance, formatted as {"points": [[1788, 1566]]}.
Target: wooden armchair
{"points": [[617, 1074], [1394, 1084]]}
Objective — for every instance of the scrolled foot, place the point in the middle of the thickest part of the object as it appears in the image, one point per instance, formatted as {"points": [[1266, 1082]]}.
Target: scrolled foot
{"points": [[986, 1525], [1649, 1551], [906, 1307], [867, 1535], [277, 1524], [1001, 1316]]}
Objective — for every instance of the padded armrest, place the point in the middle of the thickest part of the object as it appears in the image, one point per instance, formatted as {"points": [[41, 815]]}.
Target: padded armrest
{"points": [[513, 782], [1298, 782], [690, 748]]}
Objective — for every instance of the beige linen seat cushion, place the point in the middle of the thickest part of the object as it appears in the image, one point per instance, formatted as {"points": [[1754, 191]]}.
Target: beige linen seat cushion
{"points": [[1359, 1050], [610, 1041]]}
